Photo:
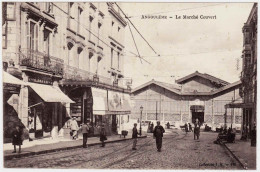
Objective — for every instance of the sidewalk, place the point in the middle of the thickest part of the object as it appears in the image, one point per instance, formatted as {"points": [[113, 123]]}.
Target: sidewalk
{"points": [[243, 152], [49, 145]]}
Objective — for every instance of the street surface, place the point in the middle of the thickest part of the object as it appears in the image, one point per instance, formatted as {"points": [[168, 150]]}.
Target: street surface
{"points": [[179, 151]]}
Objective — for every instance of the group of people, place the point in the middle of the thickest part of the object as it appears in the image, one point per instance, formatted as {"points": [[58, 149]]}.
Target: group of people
{"points": [[188, 127], [85, 129], [157, 134]]}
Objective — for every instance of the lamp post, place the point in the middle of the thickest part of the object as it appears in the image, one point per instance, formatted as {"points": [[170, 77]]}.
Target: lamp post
{"points": [[141, 110]]}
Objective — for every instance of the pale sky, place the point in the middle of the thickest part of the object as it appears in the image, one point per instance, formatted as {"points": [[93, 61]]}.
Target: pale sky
{"points": [[185, 46]]}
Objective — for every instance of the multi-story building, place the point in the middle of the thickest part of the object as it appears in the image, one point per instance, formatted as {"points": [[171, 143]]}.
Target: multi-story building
{"points": [[194, 96], [70, 57], [249, 72]]}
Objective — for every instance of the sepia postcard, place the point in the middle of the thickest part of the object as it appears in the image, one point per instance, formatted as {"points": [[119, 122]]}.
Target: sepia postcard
{"points": [[129, 85]]}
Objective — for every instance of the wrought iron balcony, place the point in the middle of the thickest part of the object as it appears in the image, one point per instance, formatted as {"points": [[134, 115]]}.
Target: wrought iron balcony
{"points": [[75, 74], [40, 61]]}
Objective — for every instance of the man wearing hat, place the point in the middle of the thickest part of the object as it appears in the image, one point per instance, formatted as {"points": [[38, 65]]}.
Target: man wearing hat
{"points": [[74, 128], [85, 130], [158, 134]]}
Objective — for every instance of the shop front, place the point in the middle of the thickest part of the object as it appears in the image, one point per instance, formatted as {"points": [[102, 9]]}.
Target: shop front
{"points": [[45, 110], [11, 89], [119, 110], [100, 110]]}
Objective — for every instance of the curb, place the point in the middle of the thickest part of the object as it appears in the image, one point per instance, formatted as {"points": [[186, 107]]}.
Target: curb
{"points": [[9, 157], [243, 165]]}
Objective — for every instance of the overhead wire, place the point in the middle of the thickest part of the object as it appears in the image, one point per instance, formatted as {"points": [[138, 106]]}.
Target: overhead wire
{"points": [[135, 43], [83, 26], [136, 29], [168, 55]]}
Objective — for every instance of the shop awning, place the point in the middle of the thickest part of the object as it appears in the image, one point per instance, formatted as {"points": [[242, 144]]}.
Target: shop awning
{"points": [[99, 101], [50, 93], [10, 79]]}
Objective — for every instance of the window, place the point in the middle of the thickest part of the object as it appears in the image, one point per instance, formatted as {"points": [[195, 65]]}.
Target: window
{"points": [[118, 58], [112, 57], [4, 35], [90, 23], [79, 19], [32, 36], [46, 39], [10, 11]]}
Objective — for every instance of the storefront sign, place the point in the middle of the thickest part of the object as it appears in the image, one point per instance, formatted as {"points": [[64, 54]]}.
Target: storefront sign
{"points": [[118, 103], [41, 79]]}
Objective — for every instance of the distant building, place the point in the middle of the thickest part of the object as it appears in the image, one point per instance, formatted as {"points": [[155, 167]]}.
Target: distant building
{"points": [[194, 96], [249, 72], [71, 56]]}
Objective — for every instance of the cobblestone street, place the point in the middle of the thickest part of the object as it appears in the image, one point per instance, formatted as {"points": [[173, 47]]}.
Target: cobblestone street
{"points": [[179, 151]]}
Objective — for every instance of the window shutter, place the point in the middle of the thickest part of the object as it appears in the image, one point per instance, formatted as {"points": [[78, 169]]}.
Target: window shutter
{"points": [[28, 34], [36, 37]]}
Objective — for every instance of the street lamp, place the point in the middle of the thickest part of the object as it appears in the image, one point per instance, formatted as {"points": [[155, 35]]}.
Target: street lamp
{"points": [[141, 109]]}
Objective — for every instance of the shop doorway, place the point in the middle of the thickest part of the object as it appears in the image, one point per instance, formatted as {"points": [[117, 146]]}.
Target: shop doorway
{"points": [[247, 122], [199, 115], [197, 112], [114, 124]]}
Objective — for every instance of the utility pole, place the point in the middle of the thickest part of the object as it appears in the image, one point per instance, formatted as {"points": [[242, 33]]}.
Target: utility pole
{"points": [[156, 112]]}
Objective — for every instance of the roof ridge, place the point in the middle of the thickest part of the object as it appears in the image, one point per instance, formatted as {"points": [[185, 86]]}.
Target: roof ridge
{"points": [[215, 77]]}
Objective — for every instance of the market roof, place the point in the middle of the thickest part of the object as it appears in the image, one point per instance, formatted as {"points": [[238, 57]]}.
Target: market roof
{"points": [[177, 89], [206, 76], [171, 87]]}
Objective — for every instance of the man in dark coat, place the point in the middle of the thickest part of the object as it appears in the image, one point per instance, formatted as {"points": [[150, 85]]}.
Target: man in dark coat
{"points": [[134, 136], [197, 129], [85, 130], [103, 136], [158, 134], [17, 138]]}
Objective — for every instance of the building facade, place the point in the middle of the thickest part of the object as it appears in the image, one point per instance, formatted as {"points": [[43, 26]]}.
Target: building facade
{"points": [[70, 56], [197, 95], [249, 72]]}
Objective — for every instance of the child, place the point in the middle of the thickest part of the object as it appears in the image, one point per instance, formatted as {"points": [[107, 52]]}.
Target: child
{"points": [[134, 137], [17, 138], [103, 136]]}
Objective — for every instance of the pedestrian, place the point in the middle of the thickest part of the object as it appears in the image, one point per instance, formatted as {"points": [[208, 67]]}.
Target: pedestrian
{"points": [[196, 129], [149, 128], [190, 127], [134, 136], [168, 125], [158, 135], [152, 127], [74, 128], [103, 136], [186, 128], [85, 130], [17, 138]]}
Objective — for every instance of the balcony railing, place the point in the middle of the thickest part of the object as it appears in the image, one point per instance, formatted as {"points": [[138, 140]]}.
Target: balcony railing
{"points": [[75, 74], [40, 61]]}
